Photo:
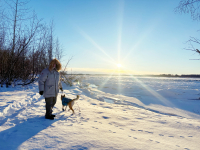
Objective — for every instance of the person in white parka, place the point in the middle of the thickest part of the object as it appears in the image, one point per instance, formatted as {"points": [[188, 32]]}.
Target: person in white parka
{"points": [[49, 85]]}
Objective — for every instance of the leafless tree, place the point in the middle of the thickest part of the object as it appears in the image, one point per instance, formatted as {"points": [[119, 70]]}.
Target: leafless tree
{"points": [[51, 40], [22, 31], [54, 49], [191, 7], [58, 50], [26, 44]]}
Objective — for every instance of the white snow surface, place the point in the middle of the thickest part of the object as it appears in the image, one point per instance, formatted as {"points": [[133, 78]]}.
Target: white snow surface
{"points": [[115, 113]]}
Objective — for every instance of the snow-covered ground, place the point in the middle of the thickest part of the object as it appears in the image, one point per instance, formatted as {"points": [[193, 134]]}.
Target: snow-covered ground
{"points": [[115, 113]]}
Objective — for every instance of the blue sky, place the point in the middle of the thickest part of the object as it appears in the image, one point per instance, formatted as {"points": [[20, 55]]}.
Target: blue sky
{"points": [[144, 36]]}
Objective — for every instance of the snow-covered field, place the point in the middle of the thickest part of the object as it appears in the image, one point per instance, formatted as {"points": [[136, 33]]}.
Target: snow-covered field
{"points": [[115, 113]]}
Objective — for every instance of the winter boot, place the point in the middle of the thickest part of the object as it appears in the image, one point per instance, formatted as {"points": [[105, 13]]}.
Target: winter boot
{"points": [[49, 117]]}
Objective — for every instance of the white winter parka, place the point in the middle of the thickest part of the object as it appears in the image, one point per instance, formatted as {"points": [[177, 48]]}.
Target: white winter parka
{"points": [[49, 82]]}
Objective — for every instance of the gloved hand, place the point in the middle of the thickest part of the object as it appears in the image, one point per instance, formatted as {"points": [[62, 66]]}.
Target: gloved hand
{"points": [[41, 92], [61, 89]]}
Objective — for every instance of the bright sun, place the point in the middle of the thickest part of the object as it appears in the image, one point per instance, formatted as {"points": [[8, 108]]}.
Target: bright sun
{"points": [[119, 65]]}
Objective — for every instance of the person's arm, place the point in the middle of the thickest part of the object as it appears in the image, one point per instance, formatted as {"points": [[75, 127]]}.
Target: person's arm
{"points": [[41, 81], [60, 84]]}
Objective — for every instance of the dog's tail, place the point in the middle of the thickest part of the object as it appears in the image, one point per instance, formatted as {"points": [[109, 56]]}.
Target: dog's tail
{"points": [[76, 98]]}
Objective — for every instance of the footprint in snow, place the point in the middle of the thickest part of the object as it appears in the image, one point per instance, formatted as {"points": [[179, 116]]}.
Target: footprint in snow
{"points": [[157, 142], [105, 117], [94, 127], [70, 125], [149, 132], [107, 107], [93, 104], [99, 112], [139, 118], [161, 134], [140, 130], [112, 131]]}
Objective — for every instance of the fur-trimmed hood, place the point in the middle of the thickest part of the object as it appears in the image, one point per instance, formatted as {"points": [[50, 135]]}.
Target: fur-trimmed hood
{"points": [[58, 65]]}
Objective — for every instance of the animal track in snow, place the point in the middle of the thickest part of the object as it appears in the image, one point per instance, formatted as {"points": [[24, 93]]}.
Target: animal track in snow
{"points": [[157, 142], [99, 112], [139, 118], [105, 117], [95, 127], [112, 131], [140, 130], [149, 132], [70, 125], [93, 104]]}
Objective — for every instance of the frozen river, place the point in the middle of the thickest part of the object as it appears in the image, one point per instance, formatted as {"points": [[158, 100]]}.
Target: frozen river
{"points": [[182, 93]]}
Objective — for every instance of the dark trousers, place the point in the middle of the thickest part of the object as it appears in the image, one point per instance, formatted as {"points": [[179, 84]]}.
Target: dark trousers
{"points": [[50, 102]]}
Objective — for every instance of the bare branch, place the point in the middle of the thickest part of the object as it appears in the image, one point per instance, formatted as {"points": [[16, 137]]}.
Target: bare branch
{"points": [[67, 63], [189, 6]]}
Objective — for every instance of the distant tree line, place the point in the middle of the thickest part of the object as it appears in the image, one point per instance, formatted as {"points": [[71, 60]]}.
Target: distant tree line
{"points": [[26, 44], [176, 75]]}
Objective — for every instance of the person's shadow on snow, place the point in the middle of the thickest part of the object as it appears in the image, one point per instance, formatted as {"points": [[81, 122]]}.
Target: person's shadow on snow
{"points": [[15, 136]]}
